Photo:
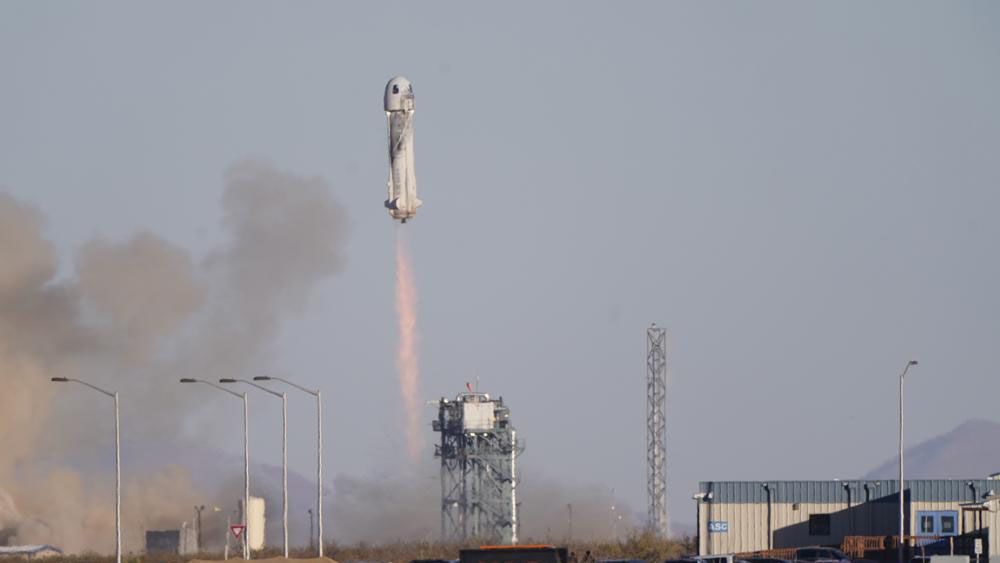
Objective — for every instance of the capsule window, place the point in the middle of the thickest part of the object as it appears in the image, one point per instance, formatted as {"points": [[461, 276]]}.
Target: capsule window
{"points": [[395, 88]]}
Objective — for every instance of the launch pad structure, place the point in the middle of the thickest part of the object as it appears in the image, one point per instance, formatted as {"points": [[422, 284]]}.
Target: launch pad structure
{"points": [[478, 452]]}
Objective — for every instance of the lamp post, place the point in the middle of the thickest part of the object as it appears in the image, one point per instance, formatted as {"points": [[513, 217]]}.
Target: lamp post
{"points": [[319, 453], [246, 453], [902, 488], [569, 521], [284, 451], [770, 531], [704, 539], [118, 463], [310, 511], [197, 510]]}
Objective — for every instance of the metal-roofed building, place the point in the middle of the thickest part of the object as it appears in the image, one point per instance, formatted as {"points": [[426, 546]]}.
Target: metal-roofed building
{"points": [[745, 516]]}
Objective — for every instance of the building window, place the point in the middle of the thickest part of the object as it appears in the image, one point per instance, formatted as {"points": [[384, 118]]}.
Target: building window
{"points": [[947, 525], [926, 524], [937, 522], [819, 524], [395, 88]]}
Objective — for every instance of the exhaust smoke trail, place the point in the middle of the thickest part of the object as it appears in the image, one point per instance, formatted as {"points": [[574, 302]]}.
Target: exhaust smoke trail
{"points": [[406, 355]]}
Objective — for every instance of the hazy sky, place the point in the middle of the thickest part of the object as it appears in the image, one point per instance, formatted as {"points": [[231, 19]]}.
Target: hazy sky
{"points": [[805, 194]]}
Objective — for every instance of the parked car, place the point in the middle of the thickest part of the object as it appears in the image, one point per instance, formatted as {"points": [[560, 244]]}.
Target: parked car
{"points": [[720, 558], [766, 560], [814, 554]]}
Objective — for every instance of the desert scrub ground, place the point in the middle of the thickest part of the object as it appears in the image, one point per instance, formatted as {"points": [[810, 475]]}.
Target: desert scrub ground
{"points": [[641, 546]]}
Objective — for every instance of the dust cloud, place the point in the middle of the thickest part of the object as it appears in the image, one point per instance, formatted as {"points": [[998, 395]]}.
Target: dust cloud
{"points": [[406, 506], [134, 316]]}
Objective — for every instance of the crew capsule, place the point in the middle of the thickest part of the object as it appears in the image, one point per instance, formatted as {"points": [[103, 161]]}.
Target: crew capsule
{"points": [[399, 95], [401, 201]]}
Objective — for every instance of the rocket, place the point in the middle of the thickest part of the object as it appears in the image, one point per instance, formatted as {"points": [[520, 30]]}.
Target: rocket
{"points": [[402, 201]]}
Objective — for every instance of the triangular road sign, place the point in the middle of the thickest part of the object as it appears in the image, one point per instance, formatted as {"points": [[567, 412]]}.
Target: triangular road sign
{"points": [[237, 530]]}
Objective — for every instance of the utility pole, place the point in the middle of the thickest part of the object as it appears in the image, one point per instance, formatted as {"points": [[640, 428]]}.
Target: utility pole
{"points": [[569, 510], [319, 452], [198, 537], [118, 461], [310, 511], [245, 502], [284, 454], [902, 483]]}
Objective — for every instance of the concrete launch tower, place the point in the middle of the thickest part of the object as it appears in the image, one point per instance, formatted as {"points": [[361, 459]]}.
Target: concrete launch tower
{"points": [[478, 452], [656, 429]]}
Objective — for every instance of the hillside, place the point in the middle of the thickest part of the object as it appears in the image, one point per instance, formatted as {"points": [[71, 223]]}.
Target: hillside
{"points": [[969, 450]]}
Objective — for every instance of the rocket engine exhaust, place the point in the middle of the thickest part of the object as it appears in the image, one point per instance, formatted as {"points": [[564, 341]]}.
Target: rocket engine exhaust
{"points": [[407, 360]]}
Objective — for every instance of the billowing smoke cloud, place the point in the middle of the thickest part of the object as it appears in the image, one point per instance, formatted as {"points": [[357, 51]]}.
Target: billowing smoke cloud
{"points": [[145, 288], [37, 328], [134, 316]]}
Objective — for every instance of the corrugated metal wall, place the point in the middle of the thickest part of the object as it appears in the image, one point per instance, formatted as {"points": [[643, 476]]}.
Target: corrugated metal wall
{"points": [[930, 490], [743, 506]]}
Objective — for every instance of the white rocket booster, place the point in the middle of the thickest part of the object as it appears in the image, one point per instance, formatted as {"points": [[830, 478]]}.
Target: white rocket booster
{"points": [[402, 201]]}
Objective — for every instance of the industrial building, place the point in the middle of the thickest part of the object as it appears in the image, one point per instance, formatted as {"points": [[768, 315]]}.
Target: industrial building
{"points": [[750, 516], [183, 541], [478, 452]]}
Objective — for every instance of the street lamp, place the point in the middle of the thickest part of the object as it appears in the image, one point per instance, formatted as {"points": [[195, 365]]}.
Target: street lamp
{"points": [[198, 509], [118, 463], [246, 454], [902, 488], [310, 511], [284, 451], [319, 452], [569, 521]]}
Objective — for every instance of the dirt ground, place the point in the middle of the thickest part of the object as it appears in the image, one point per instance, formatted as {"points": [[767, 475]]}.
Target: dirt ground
{"points": [[275, 560]]}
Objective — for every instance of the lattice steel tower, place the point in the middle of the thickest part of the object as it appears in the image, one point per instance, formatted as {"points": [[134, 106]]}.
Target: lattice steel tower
{"points": [[478, 452], [656, 429]]}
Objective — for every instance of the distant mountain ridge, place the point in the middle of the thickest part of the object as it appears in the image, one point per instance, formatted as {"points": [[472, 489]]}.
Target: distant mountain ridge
{"points": [[970, 450]]}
